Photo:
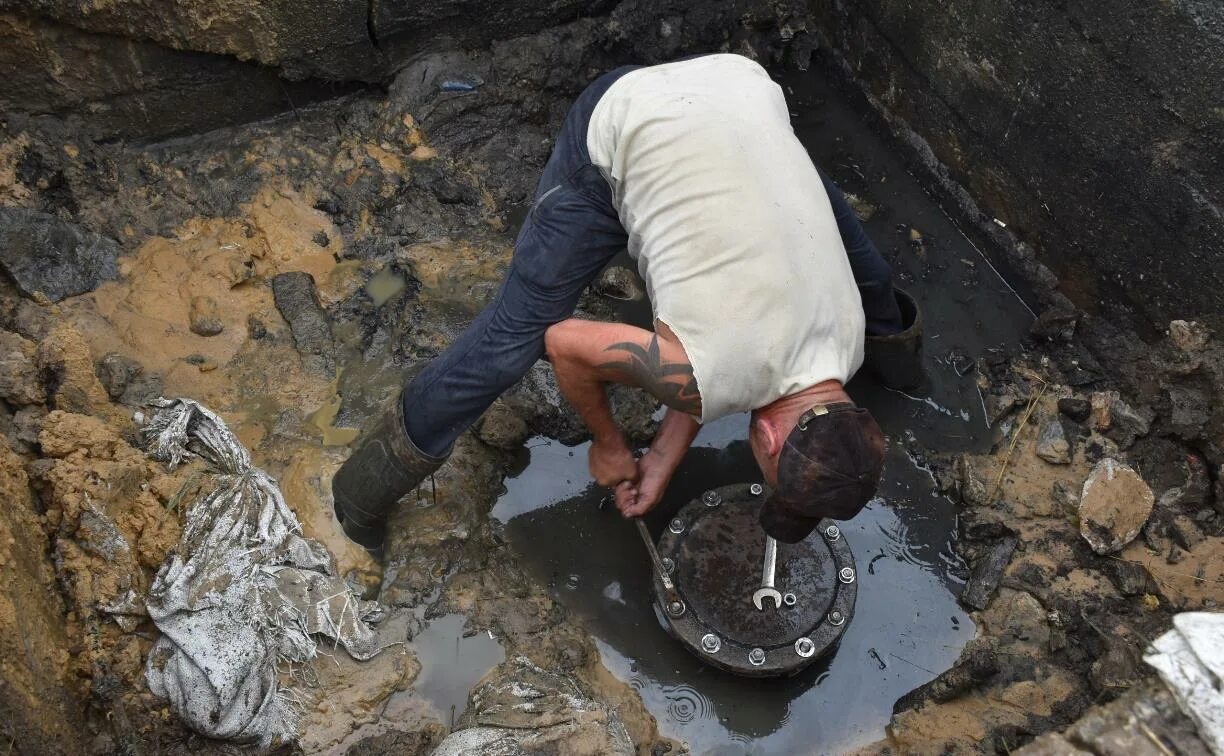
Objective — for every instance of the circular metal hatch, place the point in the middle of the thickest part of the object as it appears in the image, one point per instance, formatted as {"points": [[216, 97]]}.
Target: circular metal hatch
{"points": [[714, 551]]}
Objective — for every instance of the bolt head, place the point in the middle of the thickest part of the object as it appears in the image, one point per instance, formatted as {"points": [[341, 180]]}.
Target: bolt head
{"points": [[836, 618], [669, 565], [832, 532], [756, 657], [789, 599], [676, 526], [755, 489], [846, 575], [711, 498], [805, 647], [710, 643], [675, 608]]}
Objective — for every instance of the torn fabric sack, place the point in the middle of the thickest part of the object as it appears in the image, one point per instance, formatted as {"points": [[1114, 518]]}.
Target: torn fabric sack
{"points": [[1190, 660], [241, 591]]}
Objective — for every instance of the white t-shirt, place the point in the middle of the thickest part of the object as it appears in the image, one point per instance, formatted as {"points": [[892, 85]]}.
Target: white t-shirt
{"points": [[731, 229]]}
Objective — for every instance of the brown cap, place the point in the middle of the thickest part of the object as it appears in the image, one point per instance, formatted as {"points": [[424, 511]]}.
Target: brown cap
{"points": [[829, 467]]}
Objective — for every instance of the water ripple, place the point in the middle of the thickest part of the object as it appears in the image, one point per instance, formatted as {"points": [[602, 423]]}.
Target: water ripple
{"points": [[684, 704]]}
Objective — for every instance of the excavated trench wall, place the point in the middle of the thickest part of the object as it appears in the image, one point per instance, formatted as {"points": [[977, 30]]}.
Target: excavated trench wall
{"points": [[1093, 130]]}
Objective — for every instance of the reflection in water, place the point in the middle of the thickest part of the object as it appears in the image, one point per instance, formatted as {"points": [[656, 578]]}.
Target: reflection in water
{"points": [[451, 663]]}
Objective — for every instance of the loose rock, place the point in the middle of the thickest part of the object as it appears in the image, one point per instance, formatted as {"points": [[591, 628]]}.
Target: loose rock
{"points": [[1114, 506], [48, 256], [618, 282], [1052, 444], [19, 380], [299, 304], [1118, 420], [987, 572], [1055, 324], [502, 428], [1076, 408], [115, 372], [205, 316], [1189, 336]]}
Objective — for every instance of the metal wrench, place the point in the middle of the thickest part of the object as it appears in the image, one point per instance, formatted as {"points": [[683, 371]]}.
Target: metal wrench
{"points": [[767, 589], [669, 588]]}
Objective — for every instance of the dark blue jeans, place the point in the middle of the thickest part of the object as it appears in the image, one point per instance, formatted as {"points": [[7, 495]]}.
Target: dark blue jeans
{"points": [[571, 233]]}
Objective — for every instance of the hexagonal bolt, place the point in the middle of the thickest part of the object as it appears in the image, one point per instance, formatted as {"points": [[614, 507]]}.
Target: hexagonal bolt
{"points": [[676, 608], [676, 526], [755, 489], [669, 566], [836, 618], [832, 532], [846, 575], [805, 647], [711, 499], [756, 657], [710, 643], [789, 599]]}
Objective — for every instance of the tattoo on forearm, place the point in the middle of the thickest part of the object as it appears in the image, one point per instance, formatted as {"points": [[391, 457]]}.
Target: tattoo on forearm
{"points": [[670, 382]]}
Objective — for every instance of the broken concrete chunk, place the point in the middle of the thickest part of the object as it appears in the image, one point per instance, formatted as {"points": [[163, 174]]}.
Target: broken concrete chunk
{"points": [[115, 372], [1189, 336], [1189, 411], [48, 256], [205, 316], [1114, 506], [1052, 444], [298, 303], [20, 383]]}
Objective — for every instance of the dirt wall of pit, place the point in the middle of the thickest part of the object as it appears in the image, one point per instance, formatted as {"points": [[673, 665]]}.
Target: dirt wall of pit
{"points": [[1094, 130]]}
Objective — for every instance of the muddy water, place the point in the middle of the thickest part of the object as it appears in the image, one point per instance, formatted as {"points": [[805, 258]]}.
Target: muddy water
{"points": [[907, 626]]}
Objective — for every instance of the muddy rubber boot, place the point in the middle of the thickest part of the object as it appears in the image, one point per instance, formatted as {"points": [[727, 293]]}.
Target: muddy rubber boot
{"points": [[384, 466], [896, 359]]}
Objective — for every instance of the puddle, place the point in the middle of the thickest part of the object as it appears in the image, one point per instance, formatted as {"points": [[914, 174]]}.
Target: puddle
{"points": [[384, 285], [907, 625], [451, 664]]}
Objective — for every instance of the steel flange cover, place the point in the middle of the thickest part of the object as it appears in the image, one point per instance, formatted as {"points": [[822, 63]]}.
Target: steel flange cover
{"points": [[713, 550]]}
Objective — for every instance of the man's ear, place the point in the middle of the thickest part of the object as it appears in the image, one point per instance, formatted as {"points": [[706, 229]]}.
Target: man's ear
{"points": [[771, 433]]}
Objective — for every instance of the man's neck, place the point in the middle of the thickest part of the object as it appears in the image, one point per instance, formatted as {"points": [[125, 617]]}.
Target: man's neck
{"points": [[794, 405]]}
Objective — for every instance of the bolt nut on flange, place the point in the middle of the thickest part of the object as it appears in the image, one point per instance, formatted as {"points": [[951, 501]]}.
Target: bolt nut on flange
{"points": [[836, 618], [846, 575], [669, 565], [711, 499], [805, 647], [676, 526], [832, 532], [755, 489], [789, 599], [710, 643], [676, 608], [756, 657]]}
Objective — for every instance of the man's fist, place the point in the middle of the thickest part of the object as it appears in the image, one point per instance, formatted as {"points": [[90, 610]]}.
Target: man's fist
{"points": [[612, 463], [654, 473]]}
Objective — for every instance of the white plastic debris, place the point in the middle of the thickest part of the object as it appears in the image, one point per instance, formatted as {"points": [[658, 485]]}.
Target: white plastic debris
{"points": [[241, 591], [1190, 660]]}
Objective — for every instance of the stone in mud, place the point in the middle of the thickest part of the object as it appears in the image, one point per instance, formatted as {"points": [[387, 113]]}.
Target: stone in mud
{"points": [[520, 708], [45, 255], [116, 372], [973, 488], [67, 367], [977, 664], [20, 383], [538, 400], [863, 210], [1076, 408], [1051, 744], [502, 428], [1052, 444], [1112, 416], [1055, 324], [1188, 336], [1114, 505], [298, 303], [987, 571], [618, 282], [999, 406], [1145, 715], [1189, 411], [205, 316]]}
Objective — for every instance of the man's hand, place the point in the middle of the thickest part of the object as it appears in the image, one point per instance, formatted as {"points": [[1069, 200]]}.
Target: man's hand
{"points": [[654, 473], [612, 463]]}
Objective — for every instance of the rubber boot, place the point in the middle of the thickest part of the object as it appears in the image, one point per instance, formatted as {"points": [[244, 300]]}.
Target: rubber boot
{"points": [[896, 359], [384, 466]]}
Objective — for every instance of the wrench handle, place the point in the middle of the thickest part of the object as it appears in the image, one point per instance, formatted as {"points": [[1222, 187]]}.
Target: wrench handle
{"points": [[771, 562]]}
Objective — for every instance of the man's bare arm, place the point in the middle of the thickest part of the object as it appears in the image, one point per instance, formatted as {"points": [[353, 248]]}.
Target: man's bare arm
{"points": [[586, 355]]}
